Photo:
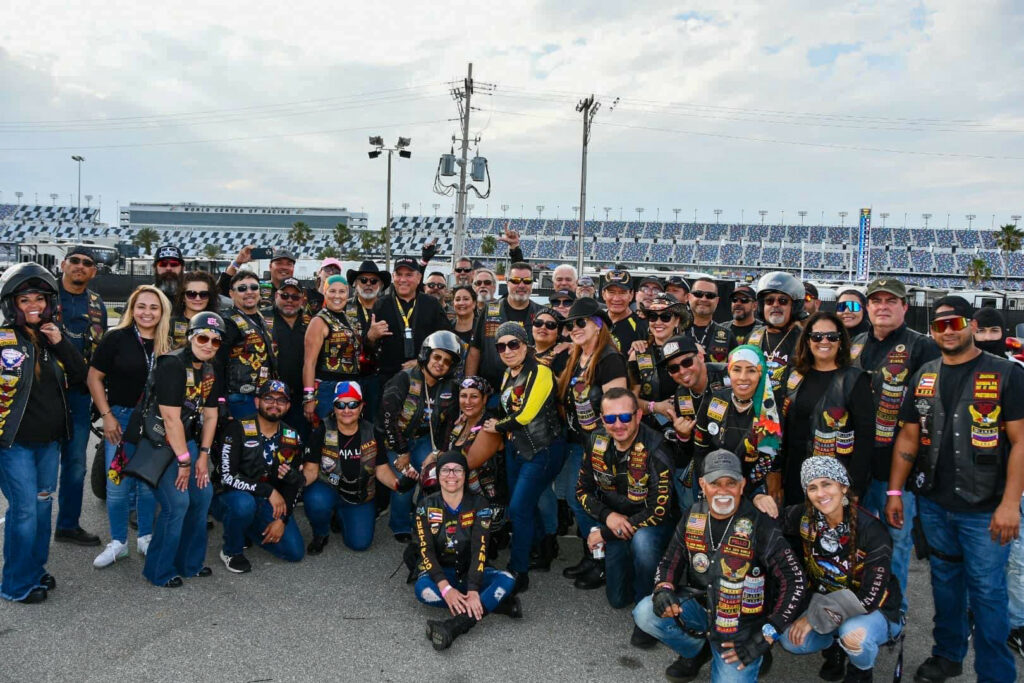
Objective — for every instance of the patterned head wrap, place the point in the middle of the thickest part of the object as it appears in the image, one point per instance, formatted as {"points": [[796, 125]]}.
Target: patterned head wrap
{"points": [[819, 466], [767, 426]]}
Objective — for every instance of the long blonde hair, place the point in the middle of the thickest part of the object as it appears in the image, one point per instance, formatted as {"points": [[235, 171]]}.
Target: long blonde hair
{"points": [[162, 336], [604, 338]]}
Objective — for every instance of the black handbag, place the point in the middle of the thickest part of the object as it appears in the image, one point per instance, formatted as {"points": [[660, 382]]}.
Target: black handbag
{"points": [[149, 462], [152, 452]]}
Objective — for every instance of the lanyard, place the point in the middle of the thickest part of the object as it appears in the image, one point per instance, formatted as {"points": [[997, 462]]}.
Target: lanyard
{"points": [[406, 317], [150, 357]]}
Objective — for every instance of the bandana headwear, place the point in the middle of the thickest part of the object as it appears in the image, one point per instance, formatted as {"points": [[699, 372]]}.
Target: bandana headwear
{"points": [[819, 466], [767, 426], [477, 382], [348, 391]]}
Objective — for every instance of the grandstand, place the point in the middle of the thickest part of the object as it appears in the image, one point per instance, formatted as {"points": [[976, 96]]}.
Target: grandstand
{"points": [[926, 256]]}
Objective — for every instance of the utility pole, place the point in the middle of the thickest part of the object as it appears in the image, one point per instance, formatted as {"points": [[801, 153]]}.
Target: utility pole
{"points": [[588, 107], [460, 211]]}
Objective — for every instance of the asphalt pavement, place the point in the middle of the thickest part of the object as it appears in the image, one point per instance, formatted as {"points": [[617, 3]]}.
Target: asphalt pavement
{"points": [[338, 616]]}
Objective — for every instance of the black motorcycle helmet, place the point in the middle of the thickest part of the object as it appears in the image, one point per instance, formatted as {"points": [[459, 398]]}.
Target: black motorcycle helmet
{"points": [[784, 283], [26, 278], [206, 320], [442, 340]]}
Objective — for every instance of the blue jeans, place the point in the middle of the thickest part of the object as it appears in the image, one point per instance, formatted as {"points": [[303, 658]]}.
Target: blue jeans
{"points": [[877, 632], [573, 463], [28, 477], [1015, 579], [120, 496], [178, 547], [241, 405], [494, 586], [243, 514], [72, 461], [527, 480], [547, 506], [686, 496], [400, 520], [357, 521], [980, 578], [630, 565], [902, 542], [668, 631]]}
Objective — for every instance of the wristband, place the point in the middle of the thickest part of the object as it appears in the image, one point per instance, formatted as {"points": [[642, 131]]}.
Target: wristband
{"points": [[309, 390], [650, 407], [204, 449], [444, 591], [894, 493], [236, 265], [184, 457]]}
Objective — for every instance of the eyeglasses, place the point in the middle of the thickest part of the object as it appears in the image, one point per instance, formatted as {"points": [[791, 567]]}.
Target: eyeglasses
{"points": [[279, 400], [956, 324], [436, 285], [483, 283], [664, 316], [578, 322], [511, 346], [777, 300], [520, 280], [168, 263], [242, 289], [451, 471], [624, 418], [703, 295], [741, 300], [76, 261], [463, 270], [289, 297], [205, 339], [546, 324], [848, 307], [822, 336], [368, 280], [560, 303], [676, 367], [347, 405], [194, 294]]}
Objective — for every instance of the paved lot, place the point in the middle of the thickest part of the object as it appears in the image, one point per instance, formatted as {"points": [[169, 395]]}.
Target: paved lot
{"points": [[339, 616]]}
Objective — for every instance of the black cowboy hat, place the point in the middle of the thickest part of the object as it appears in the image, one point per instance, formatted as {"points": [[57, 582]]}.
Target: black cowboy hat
{"points": [[369, 268], [585, 308]]}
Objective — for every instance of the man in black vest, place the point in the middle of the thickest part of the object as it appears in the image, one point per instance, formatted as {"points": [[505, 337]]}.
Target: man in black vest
{"points": [[716, 339], [366, 284], [617, 294], [961, 447], [742, 303], [168, 269], [84, 317], [891, 352], [780, 303], [728, 583], [288, 321], [246, 357]]}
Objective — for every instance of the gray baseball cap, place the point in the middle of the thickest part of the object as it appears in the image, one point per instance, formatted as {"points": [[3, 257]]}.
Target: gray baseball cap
{"points": [[722, 463]]}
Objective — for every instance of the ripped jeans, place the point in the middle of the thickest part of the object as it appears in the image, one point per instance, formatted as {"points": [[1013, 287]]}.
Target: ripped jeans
{"points": [[494, 587], [28, 480]]}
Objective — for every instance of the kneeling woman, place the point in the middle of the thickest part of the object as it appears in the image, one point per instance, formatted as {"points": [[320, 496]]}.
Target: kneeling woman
{"points": [[847, 555], [453, 527]]}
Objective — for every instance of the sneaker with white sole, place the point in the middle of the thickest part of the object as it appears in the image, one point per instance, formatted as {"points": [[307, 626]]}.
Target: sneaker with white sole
{"points": [[114, 551], [143, 544], [236, 564]]}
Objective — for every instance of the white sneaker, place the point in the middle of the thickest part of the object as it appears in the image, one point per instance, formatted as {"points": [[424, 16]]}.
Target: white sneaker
{"points": [[143, 544], [114, 551]]}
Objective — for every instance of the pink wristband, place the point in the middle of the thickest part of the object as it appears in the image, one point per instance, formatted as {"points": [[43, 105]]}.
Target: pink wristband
{"points": [[894, 493], [308, 389], [444, 591], [184, 457]]}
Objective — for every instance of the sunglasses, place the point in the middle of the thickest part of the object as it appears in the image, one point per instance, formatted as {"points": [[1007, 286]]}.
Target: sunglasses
{"points": [[546, 324], [559, 303], [704, 295], [279, 400], [664, 316], [193, 294], [624, 418], [777, 300], [168, 263], [463, 270], [810, 297], [436, 285], [957, 324], [483, 283], [676, 367], [822, 336], [289, 297], [350, 405], [205, 339], [578, 322], [848, 307], [511, 346], [741, 300], [452, 471], [368, 280], [242, 289], [520, 280], [76, 261]]}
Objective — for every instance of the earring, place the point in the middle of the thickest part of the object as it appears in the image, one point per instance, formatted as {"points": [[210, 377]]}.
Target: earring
{"points": [[846, 501]]}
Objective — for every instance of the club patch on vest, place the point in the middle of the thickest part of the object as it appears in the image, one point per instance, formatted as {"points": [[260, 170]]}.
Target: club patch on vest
{"points": [[986, 386], [926, 385], [716, 409]]}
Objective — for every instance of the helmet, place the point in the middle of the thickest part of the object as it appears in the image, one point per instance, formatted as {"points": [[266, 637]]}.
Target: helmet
{"points": [[26, 278], [207, 320], [784, 283], [441, 341]]}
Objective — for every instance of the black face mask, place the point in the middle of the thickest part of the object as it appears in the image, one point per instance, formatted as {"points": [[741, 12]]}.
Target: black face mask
{"points": [[996, 347]]}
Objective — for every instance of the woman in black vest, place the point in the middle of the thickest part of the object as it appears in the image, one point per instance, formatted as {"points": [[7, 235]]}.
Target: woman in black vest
{"points": [[649, 379], [847, 556], [36, 365], [464, 305], [343, 463], [198, 293], [185, 390], [827, 403], [548, 347], [332, 351]]}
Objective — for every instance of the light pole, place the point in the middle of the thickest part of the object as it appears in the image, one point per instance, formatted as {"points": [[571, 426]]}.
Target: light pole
{"points": [[926, 216], [695, 216], [576, 212], [718, 216], [504, 210], [1015, 217], [607, 210], [18, 195], [676, 212], [540, 211], [405, 208], [842, 218], [436, 207], [377, 142], [53, 199], [78, 216], [639, 210], [970, 220], [782, 220], [763, 213], [884, 215], [803, 215]]}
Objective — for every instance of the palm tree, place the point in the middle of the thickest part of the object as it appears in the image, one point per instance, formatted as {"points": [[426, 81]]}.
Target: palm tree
{"points": [[300, 233], [212, 251], [371, 241], [328, 252], [342, 235], [1008, 239], [978, 271], [145, 239], [488, 245]]}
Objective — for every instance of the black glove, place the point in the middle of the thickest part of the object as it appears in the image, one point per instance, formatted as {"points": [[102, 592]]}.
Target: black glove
{"points": [[405, 484], [428, 252], [753, 648], [662, 599]]}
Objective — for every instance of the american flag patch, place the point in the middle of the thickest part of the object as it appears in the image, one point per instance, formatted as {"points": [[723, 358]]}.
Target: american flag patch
{"points": [[7, 337]]}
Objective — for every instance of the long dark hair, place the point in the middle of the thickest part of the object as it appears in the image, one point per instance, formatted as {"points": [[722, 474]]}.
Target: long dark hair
{"points": [[212, 303], [804, 360], [850, 515]]}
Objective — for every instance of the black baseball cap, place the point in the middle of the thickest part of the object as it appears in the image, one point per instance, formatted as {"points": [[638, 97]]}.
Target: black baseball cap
{"points": [[406, 262], [168, 252], [282, 253], [958, 304], [81, 250], [679, 345], [290, 282], [745, 290], [677, 281]]}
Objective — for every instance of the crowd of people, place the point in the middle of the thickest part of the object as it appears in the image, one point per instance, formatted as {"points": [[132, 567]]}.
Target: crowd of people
{"points": [[737, 484]]}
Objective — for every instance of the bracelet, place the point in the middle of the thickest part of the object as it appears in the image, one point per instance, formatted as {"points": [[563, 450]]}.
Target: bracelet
{"points": [[650, 407], [444, 591], [894, 493], [106, 413], [184, 465], [309, 390], [185, 457], [236, 265], [204, 449]]}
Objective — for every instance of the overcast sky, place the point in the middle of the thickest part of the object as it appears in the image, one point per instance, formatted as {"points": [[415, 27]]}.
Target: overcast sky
{"points": [[740, 106]]}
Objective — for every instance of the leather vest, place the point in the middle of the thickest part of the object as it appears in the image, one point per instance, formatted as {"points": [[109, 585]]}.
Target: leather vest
{"points": [[443, 397], [489, 479], [734, 579], [290, 450], [341, 348], [330, 465], [756, 465], [179, 332], [647, 365], [980, 447], [494, 316], [583, 401], [715, 341], [198, 385], [545, 427], [638, 479], [360, 321], [759, 338], [252, 359], [831, 429], [17, 372], [888, 381], [95, 313], [687, 403]]}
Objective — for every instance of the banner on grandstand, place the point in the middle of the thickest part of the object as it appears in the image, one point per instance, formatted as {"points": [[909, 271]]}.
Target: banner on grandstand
{"points": [[864, 245]]}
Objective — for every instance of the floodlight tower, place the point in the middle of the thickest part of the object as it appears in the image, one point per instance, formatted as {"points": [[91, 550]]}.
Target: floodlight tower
{"points": [[377, 142]]}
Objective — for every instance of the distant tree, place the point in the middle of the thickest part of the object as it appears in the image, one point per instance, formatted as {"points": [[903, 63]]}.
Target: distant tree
{"points": [[212, 251], [500, 268], [329, 252], [1008, 239], [342, 235], [372, 242], [978, 271], [145, 239], [489, 245], [300, 234]]}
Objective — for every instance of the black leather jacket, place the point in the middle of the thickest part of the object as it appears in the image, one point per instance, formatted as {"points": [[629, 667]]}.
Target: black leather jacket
{"points": [[531, 414]]}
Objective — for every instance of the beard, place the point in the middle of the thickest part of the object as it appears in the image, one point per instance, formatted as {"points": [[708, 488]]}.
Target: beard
{"points": [[778, 320], [723, 505], [518, 298], [483, 296], [169, 284], [268, 417], [367, 293]]}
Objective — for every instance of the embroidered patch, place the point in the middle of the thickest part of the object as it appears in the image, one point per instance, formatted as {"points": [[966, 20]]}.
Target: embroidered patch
{"points": [[926, 385], [716, 409], [11, 358]]}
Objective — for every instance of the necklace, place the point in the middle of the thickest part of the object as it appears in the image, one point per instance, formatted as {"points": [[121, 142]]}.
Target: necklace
{"points": [[771, 354], [742, 402], [711, 535]]}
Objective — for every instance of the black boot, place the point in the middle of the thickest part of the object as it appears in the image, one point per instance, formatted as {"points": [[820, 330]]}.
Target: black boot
{"points": [[855, 675], [834, 666], [594, 578], [522, 582], [511, 607], [564, 518], [443, 633], [581, 567], [548, 551]]}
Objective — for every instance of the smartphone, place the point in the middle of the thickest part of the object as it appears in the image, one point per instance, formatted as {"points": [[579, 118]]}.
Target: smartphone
{"points": [[261, 253]]}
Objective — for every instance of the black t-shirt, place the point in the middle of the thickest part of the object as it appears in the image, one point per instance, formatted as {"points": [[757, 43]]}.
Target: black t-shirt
{"points": [[350, 456], [611, 366], [43, 420], [291, 350], [124, 364], [170, 384], [628, 330], [741, 332]]}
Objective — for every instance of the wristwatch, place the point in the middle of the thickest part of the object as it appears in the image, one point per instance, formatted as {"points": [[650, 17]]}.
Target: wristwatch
{"points": [[768, 631]]}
